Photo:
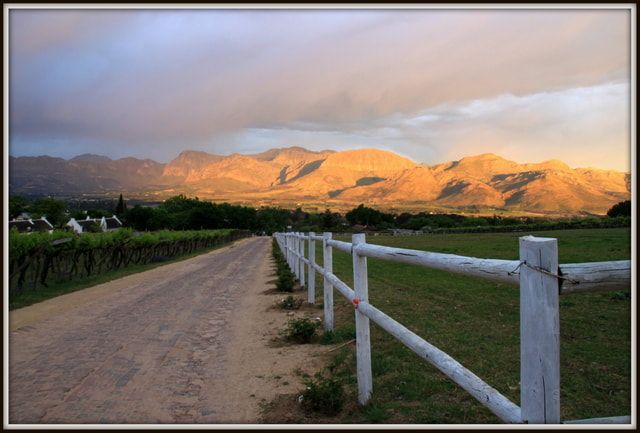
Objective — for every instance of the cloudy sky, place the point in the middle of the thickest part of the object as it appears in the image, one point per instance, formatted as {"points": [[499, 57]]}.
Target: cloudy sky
{"points": [[432, 85]]}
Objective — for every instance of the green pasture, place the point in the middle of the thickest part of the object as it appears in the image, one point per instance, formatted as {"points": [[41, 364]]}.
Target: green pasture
{"points": [[477, 322]]}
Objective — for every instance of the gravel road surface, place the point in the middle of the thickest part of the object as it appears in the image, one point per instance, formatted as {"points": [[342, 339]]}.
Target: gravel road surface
{"points": [[183, 343]]}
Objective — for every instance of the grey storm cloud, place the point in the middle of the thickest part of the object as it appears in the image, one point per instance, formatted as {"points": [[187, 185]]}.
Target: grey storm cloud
{"points": [[147, 78]]}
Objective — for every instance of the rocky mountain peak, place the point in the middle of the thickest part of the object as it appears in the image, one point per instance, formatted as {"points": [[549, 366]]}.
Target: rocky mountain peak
{"points": [[338, 180], [368, 160]]}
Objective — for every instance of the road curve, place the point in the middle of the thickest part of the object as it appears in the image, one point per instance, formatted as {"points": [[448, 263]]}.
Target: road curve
{"points": [[146, 348]]}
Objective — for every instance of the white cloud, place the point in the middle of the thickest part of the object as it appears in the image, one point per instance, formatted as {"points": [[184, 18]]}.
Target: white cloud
{"points": [[585, 126], [153, 83]]}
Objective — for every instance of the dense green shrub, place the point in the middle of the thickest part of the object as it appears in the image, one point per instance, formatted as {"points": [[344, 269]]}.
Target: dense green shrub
{"points": [[323, 394], [290, 303], [285, 282], [301, 330], [622, 209], [367, 216]]}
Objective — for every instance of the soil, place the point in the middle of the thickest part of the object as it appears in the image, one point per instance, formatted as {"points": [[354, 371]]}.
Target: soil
{"points": [[188, 342]]}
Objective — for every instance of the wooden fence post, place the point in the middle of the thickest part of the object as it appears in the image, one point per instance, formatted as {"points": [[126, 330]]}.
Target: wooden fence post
{"points": [[363, 343], [286, 248], [289, 252], [302, 273], [283, 245], [289, 247], [327, 258], [296, 252], [539, 331], [311, 271]]}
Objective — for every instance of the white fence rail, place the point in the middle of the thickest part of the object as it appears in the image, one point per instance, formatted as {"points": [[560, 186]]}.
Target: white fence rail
{"points": [[541, 281]]}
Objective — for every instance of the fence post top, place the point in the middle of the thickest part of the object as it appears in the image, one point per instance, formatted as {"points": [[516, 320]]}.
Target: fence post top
{"points": [[530, 238], [312, 233], [359, 238], [327, 235]]}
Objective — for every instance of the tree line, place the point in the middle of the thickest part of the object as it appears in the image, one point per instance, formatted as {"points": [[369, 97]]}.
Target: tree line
{"points": [[184, 213]]}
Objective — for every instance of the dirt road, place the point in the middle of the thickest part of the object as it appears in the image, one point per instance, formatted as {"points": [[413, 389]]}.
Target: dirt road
{"points": [[188, 342]]}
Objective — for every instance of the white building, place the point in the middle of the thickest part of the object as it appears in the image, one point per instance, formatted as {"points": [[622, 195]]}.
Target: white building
{"points": [[105, 224], [31, 225]]}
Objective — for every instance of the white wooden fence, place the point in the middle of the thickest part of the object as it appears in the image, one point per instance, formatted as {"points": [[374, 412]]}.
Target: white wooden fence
{"points": [[541, 281]]}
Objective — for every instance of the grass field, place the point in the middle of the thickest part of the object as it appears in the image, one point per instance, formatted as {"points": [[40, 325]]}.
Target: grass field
{"points": [[477, 322]]}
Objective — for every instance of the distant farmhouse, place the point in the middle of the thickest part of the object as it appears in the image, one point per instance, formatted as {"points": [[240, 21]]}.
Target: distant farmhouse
{"points": [[31, 225], [103, 224]]}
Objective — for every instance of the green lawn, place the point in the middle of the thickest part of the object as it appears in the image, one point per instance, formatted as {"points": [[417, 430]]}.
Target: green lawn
{"points": [[477, 322]]}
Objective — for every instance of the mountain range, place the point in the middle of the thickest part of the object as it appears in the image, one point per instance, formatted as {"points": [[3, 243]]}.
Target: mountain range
{"points": [[295, 176]]}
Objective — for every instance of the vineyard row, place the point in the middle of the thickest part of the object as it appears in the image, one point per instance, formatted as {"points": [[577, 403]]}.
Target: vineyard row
{"points": [[39, 260]]}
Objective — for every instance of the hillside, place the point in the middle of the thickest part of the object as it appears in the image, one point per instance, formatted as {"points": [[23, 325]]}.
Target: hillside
{"points": [[294, 175]]}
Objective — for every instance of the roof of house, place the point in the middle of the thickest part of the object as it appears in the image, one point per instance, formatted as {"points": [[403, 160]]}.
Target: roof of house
{"points": [[88, 222], [30, 225], [42, 224], [21, 225], [113, 223]]}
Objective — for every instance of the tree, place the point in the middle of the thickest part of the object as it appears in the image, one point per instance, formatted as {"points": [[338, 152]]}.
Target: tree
{"points": [[620, 209], [179, 203], [203, 217], [138, 217], [160, 219], [53, 209], [121, 207], [17, 205], [271, 219], [367, 216], [299, 215], [80, 214], [329, 220]]}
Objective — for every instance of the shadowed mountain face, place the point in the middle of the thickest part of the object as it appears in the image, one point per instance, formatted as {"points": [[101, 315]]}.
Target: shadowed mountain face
{"points": [[339, 179], [82, 174]]}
